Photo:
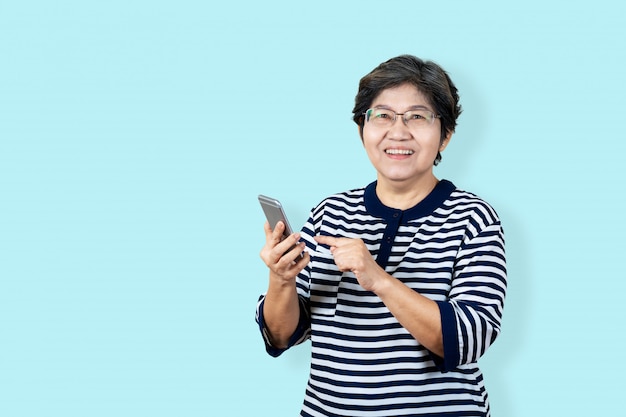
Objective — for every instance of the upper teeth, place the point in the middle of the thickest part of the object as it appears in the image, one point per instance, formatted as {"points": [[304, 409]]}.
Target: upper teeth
{"points": [[399, 151]]}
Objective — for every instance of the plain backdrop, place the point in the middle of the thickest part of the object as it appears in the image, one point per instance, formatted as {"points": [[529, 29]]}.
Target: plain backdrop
{"points": [[135, 137]]}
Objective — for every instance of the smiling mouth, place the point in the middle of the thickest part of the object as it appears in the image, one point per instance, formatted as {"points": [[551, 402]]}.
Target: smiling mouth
{"points": [[399, 151]]}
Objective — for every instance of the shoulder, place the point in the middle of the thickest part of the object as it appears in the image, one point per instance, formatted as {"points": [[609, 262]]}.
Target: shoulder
{"points": [[466, 205], [346, 200], [340, 207]]}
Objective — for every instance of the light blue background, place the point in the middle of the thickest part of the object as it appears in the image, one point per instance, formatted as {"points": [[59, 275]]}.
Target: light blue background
{"points": [[136, 135]]}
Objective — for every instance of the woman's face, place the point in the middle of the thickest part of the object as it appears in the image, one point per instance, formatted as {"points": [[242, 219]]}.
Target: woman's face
{"points": [[402, 154]]}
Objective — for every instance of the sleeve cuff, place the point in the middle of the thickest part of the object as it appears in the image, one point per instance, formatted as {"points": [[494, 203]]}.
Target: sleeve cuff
{"points": [[293, 340], [450, 358]]}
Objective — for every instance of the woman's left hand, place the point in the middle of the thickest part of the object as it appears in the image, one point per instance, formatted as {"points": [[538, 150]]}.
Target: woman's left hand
{"points": [[352, 255]]}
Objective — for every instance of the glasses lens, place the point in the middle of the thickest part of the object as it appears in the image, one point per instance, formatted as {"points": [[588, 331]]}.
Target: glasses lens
{"points": [[381, 117], [418, 118]]}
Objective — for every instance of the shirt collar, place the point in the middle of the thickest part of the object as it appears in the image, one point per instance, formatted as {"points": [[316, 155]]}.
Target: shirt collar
{"points": [[433, 200]]}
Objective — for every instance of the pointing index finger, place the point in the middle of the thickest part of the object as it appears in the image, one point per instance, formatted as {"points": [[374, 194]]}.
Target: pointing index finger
{"points": [[330, 240]]}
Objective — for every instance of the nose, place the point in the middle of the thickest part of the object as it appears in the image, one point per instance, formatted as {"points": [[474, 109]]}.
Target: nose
{"points": [[399, 130]]}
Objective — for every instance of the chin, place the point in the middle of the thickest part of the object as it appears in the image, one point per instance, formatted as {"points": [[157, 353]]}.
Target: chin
{"points": [[406, 177]]}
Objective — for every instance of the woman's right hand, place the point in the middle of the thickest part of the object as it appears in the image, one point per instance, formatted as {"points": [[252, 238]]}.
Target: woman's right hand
{"points": [[284, 264]]}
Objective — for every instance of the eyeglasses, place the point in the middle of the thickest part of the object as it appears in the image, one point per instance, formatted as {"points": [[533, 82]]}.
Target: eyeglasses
{"points": [[413, 118]]}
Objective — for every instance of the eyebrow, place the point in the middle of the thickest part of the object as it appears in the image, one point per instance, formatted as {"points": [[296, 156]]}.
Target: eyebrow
{"points": [[416, 107]]}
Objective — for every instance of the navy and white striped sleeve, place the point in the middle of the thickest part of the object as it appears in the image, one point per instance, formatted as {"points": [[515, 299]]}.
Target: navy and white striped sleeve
{"points": [[303, 330], [472, 315], [301, 333]]}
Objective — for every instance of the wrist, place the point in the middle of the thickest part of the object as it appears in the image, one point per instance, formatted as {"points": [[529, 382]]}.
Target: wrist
{"points": [[278, 282], [383, 283]]}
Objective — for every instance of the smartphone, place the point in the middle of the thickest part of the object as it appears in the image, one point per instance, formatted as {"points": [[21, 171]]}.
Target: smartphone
{"points": [[274, 213]]}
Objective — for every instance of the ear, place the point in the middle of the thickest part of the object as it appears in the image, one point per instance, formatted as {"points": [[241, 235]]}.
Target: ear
{"points": [[445, 141], [360, 132]]}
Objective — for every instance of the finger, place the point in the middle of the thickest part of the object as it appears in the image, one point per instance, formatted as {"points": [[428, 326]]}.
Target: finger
{"points": [[269, 254], [277, 233], [302, 261], [296, 252], [325, 240], [332, 241], [283, 248], [293, 267]]}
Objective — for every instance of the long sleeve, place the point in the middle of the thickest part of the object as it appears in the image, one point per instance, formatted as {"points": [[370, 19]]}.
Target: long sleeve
{"points": [[300, 334], [472, 315], [303, 330]]}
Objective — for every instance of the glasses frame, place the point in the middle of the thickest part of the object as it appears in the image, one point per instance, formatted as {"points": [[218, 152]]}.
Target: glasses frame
{"points": [[395, 115]]}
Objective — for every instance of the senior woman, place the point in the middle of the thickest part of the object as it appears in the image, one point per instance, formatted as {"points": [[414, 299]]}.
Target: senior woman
{"points": [[402, 284]]}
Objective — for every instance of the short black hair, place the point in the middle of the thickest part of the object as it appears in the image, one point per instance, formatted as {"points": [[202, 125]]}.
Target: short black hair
{"points": [[428, 77]]}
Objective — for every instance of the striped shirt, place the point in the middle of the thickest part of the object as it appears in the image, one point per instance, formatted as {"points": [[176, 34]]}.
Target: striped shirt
{"points": [[449, 248]]}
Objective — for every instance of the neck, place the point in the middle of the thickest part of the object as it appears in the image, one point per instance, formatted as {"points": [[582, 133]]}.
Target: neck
{"points": [[404, 195]]}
